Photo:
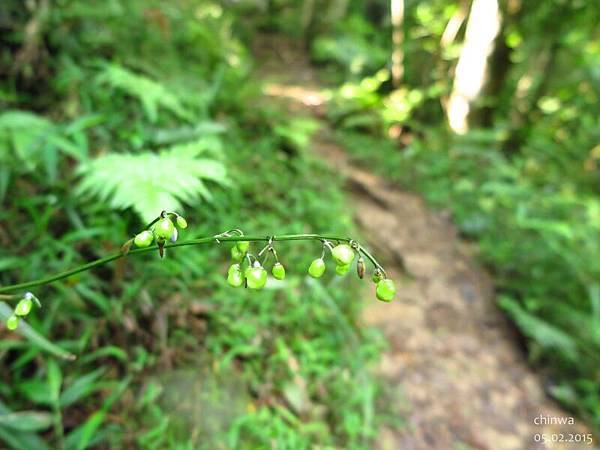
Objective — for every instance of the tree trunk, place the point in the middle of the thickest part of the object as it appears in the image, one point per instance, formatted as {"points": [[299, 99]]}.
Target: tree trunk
{"points": [[397, 15], [482, 28], [530, 89]]}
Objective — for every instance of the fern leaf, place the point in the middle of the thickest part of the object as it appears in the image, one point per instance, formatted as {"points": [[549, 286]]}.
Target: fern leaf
{"points": [[544, 333], [150, 182], [23, 133], [150, 93]]}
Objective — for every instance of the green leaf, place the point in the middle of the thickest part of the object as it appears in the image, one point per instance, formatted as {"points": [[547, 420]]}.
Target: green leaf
{"points": [[28, 140], [54, 380], [26, 420], [23, 132], [81, 436], [21, 440], [150, 93], [150, 182], [81, 387], [544, 333], [37, 391]]}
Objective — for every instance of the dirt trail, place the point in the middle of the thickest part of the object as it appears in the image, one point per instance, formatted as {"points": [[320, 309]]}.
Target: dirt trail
{"points": [[452, 355]]}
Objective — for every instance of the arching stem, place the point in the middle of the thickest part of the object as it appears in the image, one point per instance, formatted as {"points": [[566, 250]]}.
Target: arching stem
{"points": [[207, 240]]}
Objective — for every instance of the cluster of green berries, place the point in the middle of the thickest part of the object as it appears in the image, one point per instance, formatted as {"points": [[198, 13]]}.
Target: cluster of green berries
{"points": [[248, 271], [254, 275], [161, 230], [343, 255], [22, 309]]}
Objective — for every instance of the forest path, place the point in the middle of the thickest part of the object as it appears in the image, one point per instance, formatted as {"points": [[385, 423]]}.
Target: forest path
{"points": [[452, 355]]}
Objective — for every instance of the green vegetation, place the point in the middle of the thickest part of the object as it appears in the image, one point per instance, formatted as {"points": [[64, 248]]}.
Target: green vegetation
{"points": [[522, 183], [113, 111]]}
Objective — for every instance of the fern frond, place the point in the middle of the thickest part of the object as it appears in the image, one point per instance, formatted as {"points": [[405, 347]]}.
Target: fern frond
{"points": [[150, 93], [150, 182], [22, 134]]}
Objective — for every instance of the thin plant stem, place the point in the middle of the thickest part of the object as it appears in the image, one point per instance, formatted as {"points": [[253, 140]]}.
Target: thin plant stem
{"points": [[207, 240]]}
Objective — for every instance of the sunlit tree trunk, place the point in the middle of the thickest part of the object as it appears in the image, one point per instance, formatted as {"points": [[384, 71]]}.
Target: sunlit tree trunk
{"points": [[454, 24], [397, 15], [482, 28]]}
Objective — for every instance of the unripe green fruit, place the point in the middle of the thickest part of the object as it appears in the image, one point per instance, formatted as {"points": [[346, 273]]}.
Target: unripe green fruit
{"points": [[278, 271], [164, 228], [181, 222], [234, 268], [242, 246], [236, 255], [235, 277], [343, 254], [377, 276], [256, 276], [386, 290], [143, 239], [23, 307], [12, 322], [317, 268], [342, 269]]}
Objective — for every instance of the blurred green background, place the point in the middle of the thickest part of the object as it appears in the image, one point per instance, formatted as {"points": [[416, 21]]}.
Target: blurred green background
{"points": [[114, 110]]}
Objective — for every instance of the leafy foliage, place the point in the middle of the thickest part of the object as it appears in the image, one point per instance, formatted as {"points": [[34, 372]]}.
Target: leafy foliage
{"points": [[150, 93], [113, 81], [28, 141], [523, 183], [149, 107], [149, 182]]}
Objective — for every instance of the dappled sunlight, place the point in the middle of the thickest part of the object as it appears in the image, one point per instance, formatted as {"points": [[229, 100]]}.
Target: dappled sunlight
{"points": [[457, 140], [301, 94]]}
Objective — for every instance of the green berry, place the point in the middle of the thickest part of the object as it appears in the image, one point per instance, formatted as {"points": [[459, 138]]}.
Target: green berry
{"points": [[342, 269], [234, 276], [317, 268], [278, 271], [143, 239], [12, 322], [164, 228], [386, 290], [181, 222], [234, 268], [236, 254], [377, 276], [343, 254], [23, 307], [242, 246], [256, 276]]}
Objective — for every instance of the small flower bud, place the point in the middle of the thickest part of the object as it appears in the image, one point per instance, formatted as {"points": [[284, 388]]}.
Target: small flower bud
{"points": [[360, 267], [181, 222], [143, 239], [164, 228], [12, 322], [23, 307]]}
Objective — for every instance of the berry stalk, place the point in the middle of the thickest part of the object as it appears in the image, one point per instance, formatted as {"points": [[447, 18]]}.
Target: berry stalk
{"points": [[207, 240]]}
